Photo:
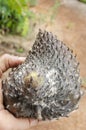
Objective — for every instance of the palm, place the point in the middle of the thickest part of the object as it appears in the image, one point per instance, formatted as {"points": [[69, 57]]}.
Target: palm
{"points": [[9, 122]]}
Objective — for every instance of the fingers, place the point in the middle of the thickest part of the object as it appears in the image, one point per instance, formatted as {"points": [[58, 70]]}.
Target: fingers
{"points": [[8, 61], [33, 122], [9, 122], [20, 124], [25, 124]]}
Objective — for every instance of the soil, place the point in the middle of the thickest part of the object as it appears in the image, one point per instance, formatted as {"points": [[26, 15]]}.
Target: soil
{"points": [[69, 24]]}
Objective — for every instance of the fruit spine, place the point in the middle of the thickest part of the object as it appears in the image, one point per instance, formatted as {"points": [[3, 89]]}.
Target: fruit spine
{"points": [[47, 84]]}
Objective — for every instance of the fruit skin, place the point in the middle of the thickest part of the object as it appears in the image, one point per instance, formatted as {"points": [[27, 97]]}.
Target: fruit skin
{"points": [[47, 84]]}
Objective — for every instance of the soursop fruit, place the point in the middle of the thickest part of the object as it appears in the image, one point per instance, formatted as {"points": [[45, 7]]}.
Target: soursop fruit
{"points": [[47, 84]]}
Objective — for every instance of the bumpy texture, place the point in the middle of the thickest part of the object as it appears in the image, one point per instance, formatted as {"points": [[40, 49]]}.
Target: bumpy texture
{"points": [[47, 84]]}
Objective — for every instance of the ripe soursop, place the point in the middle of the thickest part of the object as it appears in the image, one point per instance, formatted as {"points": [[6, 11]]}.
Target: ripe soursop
{"points": [[47, 84]]}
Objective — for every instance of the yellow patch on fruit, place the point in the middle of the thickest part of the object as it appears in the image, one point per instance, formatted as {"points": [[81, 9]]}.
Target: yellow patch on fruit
{"points": [[33, 80]]}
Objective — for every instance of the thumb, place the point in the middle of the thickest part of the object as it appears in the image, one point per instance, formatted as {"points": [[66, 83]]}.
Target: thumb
{"points": [[9, 122], [25, 124], [8, 61]]}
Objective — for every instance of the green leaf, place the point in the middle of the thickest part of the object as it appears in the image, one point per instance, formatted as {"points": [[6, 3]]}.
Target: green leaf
{"points": [[25, 27], [84, 1], [14, 16], [33, 2], [20, 50]]}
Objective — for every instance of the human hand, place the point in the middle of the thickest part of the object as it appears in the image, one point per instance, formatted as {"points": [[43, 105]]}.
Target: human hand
{"points": [[7, 120]]}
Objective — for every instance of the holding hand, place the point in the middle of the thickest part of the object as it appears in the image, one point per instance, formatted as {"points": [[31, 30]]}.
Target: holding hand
{"points": [[7, 120]]}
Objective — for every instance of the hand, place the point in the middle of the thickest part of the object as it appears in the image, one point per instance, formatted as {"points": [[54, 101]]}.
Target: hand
{"points": [[7, 120]]}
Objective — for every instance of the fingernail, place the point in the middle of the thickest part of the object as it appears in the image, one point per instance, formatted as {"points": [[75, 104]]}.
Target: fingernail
{"points": [[22, 58]]}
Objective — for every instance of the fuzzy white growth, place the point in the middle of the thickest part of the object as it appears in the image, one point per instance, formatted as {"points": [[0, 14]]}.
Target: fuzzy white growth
{"points": [[50, 76]]}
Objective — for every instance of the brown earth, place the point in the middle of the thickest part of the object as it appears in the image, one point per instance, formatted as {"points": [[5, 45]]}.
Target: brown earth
{"points": [[69, 25]]}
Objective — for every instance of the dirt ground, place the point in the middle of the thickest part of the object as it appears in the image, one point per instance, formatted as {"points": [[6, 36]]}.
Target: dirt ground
{"points": [[69, 25]]}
